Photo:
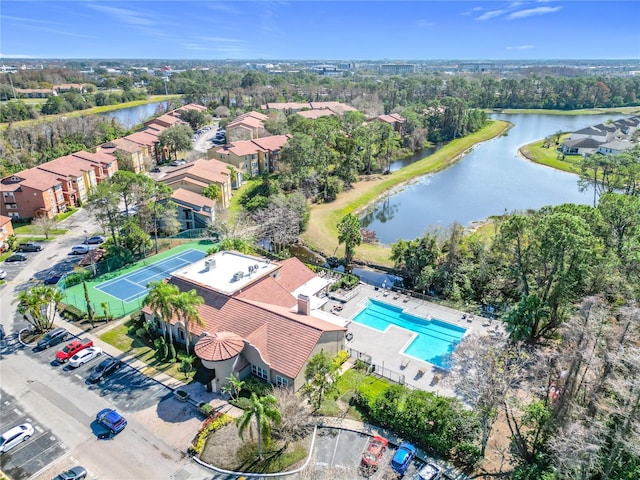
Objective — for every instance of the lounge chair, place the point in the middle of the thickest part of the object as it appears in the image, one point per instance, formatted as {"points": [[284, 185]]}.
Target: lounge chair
{"points": [[404, 364]]}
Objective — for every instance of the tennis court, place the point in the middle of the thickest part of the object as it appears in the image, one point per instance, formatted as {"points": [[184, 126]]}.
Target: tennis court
{"points": [[133, 285]]}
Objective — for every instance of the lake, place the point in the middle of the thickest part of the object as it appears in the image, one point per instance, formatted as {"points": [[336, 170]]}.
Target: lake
{"points": [[491, 180], [131, 116]]}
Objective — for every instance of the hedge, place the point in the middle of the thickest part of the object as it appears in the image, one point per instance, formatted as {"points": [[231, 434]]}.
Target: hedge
{"points": [[209, 426]]}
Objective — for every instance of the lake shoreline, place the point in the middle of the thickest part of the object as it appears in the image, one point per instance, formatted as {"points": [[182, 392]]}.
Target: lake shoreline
{"points": [[91, 111], [321, 236]]}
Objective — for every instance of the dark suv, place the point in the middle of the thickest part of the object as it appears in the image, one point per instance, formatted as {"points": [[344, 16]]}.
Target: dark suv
{"points": [[28, 247], [54, 337]]}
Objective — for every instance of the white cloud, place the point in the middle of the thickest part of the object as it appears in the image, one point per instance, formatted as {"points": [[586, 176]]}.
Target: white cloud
{"points": [[123, 14], [491, 14], [520, 47], [530, 12]]}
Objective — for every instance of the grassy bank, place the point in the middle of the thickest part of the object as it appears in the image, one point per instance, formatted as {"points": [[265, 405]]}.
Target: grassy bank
{"points": [[322, 234], [584, 111], [550, 157], [92, 111]]}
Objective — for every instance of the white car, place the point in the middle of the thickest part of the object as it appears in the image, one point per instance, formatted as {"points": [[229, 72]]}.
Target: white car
{"points": [[84, 356], [3, 274], [80, 249], [15, 436]]}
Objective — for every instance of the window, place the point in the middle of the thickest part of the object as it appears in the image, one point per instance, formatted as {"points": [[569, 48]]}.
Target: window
{"points": [[281, 381], [259, 371]]}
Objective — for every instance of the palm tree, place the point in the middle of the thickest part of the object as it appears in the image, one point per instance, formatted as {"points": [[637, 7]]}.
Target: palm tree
{"points": [[38, 306], [265, 411], [162, 301], [186, 306]]}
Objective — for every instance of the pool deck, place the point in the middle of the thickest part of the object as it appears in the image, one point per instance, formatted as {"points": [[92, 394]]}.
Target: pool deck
{"points": [[384, 347]]}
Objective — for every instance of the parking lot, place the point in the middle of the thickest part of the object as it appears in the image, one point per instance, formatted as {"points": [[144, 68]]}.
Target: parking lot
{"points": [[339, 452], [32, 455], [127, 389]]}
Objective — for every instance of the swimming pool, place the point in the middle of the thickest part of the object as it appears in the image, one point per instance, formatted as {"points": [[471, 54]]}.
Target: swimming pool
{"points": [[434, 340]]}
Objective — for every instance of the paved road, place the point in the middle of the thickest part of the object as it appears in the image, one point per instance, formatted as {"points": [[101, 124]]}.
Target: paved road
{"points": [[64, 407]]}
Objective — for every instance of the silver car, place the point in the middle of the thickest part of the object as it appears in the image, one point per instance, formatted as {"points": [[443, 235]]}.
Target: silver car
{"points": [[84, 356]]}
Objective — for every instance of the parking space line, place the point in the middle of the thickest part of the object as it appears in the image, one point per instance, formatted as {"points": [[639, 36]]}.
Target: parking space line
{"points": [[17, 412], [335, 448]]}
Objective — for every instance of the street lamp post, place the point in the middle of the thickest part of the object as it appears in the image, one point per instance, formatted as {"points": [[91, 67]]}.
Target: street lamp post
{"points": [[86, 236]]}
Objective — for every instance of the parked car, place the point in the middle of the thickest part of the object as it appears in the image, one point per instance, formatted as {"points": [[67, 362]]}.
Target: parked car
{"points": [[2, 334], [104, 369], [429, 472], [73, 347], [3, 274], [84, 356], [75, 473], [373, 454], [177, 163], [52, 279], [111, 419], [15, 436], [16, 257], [29, 247], [155, 170], [98, 239], [403, 457], [52, 338], [80, 249]]}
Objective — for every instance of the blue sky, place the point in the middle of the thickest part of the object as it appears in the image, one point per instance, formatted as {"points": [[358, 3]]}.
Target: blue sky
{"points": [[340, 29]]}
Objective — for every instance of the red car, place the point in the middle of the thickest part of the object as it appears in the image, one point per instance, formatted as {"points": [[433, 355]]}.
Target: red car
{"points": [[72, 348], [374, 452]]}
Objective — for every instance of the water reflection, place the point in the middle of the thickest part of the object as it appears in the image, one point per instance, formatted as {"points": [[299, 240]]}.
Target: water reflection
{"points": [[488, 181]]}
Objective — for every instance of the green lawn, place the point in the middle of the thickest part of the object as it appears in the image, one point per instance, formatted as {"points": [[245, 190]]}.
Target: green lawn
{"points": [[536, 152], [32, 230], [124, 338], [117, 308], [347, 384]]}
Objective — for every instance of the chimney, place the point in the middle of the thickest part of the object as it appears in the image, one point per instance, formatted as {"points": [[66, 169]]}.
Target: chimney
{"points": [[210, 264], [304, 304]]}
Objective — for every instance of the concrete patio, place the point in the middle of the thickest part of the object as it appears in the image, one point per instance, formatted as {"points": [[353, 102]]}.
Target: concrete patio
{"points": [[384, 348]]}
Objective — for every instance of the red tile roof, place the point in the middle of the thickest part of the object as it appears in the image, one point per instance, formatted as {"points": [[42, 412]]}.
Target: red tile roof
{"points": [[4, 220], [293, 274], [127, 145], [100, 157], [68, 166], [241, 148], [314, 114], [213, 171], [193, 198], [147, 137], [38, 179], [272, 143], [285, 339], [219, 346], [268, 290]]}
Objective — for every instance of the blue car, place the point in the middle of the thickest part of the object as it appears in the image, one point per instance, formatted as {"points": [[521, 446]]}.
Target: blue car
{"points": [[403, 458], [111, 419]]}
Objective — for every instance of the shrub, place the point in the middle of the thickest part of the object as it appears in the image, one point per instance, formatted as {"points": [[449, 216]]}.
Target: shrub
{"points": [[72, 312], [209, 426], [346, 282], [172, 353], [206, 409], [257, 386], [360, 365], [340, 358], [141, 333], [76, 278]]}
